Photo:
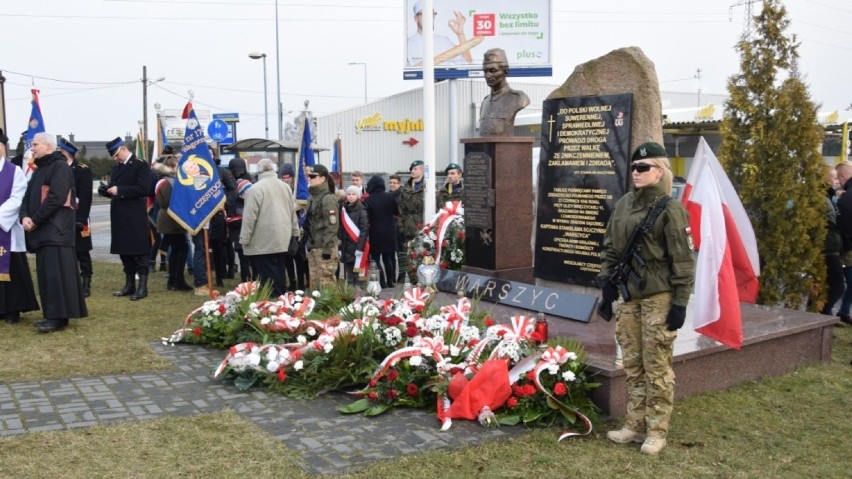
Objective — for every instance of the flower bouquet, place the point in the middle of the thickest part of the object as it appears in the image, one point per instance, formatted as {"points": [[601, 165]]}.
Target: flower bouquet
{"points": [[442, 238]]}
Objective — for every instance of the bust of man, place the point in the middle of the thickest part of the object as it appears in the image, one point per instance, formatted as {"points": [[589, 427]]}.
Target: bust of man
{"points": [[498, 110]]}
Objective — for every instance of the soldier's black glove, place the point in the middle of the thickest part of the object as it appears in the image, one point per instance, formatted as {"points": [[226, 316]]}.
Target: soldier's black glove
{"points": [[676, 317], [609, 292], [605, 310]]}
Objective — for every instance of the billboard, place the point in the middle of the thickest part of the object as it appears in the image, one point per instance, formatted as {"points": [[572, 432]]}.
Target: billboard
{"points": [[175, 126], [465, 29]]}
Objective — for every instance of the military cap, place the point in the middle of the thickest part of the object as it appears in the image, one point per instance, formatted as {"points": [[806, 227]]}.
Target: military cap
{"points": [[113, 146], [649, 150], [453, 166], [319, 169], [286, 170], [66, 145], [415, 163]]}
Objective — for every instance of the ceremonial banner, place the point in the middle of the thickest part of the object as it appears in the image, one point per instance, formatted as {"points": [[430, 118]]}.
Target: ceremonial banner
{"points": [[306, 158], [197, 192]]}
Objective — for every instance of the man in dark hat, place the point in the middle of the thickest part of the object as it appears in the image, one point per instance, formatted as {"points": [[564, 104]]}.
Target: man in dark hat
{"points": [[17, 292], [410, 213], [47, 215], [498, 110], [454, 189], [321, 226], [128, 187], [83, 189]]}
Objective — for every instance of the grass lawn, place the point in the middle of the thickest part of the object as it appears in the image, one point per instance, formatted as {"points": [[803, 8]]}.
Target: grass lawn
{"points": [[789, 427]]}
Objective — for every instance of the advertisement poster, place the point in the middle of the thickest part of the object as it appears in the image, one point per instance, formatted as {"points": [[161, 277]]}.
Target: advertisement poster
{"points": [[175, 126], [464, 30]]}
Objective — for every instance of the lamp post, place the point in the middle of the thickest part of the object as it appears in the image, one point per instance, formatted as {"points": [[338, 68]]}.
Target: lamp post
{"points": [[145, 84], [365, 77], [256, 56]]}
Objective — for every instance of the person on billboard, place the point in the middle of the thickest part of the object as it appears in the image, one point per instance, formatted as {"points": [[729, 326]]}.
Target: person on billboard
{"points": [[447, 52]]}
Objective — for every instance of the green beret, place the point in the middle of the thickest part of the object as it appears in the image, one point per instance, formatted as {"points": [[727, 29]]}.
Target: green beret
{"points": [[453, 166], [649, 150], [415, 163]]}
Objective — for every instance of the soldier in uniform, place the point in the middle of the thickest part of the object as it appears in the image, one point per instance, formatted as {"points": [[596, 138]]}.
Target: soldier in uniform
{"points": [[498, 110], [83, 189], [129, 183], [454, 189], [322, 224], [411, 214], [649, 320]]}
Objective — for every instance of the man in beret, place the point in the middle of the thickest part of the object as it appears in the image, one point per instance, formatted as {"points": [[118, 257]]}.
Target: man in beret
{"points": [[321, 225], [83, 189], [411, 213], [129, 182], [498, 110], [454, 189]]}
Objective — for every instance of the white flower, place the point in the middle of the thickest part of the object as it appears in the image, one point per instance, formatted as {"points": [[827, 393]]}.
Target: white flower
{"points": [[271, 354], [553, 369], [572, 356], [454, 350], [315, 294], [301, 339], [265, 321], [253, 358], [568, 376], [273, 366], [311, 331], [299, 365], [415, 361], [327, 347]]}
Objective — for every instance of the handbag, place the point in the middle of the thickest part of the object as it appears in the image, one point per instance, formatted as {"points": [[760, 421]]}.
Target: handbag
{"points": [[293, 247]]}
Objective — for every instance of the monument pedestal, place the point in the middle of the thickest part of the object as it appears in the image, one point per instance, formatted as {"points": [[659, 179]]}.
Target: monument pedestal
{"points": [[498, 207]]}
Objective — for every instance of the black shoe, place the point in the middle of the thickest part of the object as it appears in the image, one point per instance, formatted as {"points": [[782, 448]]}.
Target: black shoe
{"points": [[845, 319], [87, 286], [129, 286], [179, 287], [142, 290], [51, 325], [163, 267], [12, 318]]}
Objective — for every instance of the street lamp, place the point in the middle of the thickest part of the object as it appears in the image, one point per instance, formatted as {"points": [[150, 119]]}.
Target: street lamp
{"points": [[256, 56], [365, 77]]}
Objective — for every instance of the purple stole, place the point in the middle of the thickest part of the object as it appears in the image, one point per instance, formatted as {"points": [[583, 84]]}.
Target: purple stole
{"points": [[7, 180]]}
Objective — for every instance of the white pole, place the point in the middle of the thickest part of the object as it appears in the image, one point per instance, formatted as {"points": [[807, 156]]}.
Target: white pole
{"points": [[428, 111], [453, 120]]}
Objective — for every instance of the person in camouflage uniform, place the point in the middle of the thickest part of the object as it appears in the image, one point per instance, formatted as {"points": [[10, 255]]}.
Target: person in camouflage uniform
{"points": [[648, 322], [411, 212], [454, 189], [323, 222]]}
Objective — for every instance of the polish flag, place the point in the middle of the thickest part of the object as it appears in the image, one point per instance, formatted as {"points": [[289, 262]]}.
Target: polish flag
{"points": [[727, 267], [362, 258]]}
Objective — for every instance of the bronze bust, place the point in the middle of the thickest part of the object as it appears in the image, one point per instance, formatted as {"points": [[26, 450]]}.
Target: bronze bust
{"points": [[498, 110]]}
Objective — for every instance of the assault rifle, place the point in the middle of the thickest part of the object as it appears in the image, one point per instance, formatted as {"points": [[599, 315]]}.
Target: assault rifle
{"points": [[623, 270]]}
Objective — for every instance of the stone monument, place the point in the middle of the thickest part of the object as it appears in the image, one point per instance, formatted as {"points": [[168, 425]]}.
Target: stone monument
{"points": [[498, 109]]}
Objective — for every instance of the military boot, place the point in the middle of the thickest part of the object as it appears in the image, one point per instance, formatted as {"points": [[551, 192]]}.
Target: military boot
{"points": [[129, 286], [142, 290], [653, 445], [87, 286], [625, 435]]}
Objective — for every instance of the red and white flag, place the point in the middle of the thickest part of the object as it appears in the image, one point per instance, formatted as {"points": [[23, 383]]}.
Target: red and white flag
{"points": [[362, 258], [727, 267]]}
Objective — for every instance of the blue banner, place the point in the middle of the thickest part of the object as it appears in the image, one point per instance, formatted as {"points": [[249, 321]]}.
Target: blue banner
{"points": [[336, 166], [197, 192], [36, 123], [306, 158]]}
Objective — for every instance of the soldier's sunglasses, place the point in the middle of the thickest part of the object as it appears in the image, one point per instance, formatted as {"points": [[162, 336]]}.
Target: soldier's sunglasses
{"points": [[641, 167]]}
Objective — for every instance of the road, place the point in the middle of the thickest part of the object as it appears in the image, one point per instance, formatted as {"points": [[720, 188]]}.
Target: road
{"points": [[100, 224]]}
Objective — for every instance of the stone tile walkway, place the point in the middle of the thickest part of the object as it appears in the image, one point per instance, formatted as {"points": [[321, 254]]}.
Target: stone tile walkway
{"points": [[326, 441]]}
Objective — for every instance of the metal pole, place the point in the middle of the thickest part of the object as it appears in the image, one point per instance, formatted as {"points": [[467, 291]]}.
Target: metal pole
{"points": [[145, 111], [265, 100], [278, 76], [428, 111]]}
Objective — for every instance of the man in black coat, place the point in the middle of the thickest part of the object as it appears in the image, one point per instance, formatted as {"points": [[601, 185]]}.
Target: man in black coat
{"points": [[83, 189], [128, 186], [47, 215], [381, 211]]}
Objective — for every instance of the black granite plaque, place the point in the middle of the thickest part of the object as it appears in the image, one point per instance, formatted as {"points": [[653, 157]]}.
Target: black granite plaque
{"points": [[478, 190], [554, 302], [583, 170]]}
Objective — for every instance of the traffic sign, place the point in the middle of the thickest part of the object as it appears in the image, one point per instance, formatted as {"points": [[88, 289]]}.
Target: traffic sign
{"points": [[218, 131]]}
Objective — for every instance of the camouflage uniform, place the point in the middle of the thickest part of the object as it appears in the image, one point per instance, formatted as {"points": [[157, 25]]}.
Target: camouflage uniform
{"points": [[410, 219], [323, 216], [642, 332]]}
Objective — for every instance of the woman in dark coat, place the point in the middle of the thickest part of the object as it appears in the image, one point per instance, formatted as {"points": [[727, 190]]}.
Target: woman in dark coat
{"points": [[381, 209], [352, 233]]}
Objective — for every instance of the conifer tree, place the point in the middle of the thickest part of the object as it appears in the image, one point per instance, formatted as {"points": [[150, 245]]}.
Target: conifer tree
{"points": [[770, 150]]}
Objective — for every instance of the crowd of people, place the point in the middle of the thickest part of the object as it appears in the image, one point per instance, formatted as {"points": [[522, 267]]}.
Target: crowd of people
{"points": [[261, 232]]}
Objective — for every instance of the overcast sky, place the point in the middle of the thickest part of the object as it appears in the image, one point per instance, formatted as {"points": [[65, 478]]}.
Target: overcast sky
{"points": [[86, 56]]}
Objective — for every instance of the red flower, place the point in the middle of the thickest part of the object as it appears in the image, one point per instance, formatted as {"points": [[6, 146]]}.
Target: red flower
{"points": [[424, 253], [444, 265], [411, 331], [214, 294], [501, 333], [512, 402], [392, 394], [531, 375], [489, 322], [392, 375], [560, 389], [196, 331], [411, 389], [390, 320], [295, 354], [282, 375], [461, 234], [445, 243], [518, 390], [529, 389], [372, 383], [221, 309], [419, 308], [372, 396]]}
